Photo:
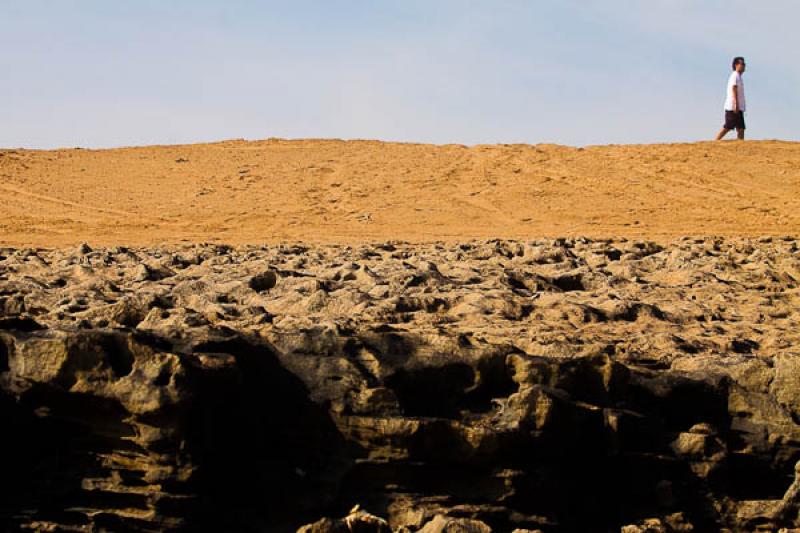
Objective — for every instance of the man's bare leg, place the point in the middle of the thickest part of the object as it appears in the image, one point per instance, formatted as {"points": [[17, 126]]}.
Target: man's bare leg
{"points": [[722, 133], [740, 134]]}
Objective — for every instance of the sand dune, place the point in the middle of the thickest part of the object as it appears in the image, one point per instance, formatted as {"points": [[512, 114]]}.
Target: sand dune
{"points": [[338, 192]]}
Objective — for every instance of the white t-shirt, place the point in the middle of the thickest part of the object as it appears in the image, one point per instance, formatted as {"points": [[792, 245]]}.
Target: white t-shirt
{"points": [[735, 79]]}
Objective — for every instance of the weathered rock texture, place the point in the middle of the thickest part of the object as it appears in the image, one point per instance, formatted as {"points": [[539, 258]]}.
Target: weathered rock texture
{"points": [[567, 385]]}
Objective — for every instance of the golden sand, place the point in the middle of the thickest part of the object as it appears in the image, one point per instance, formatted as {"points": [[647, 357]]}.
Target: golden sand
{"points": [[354, 191]]}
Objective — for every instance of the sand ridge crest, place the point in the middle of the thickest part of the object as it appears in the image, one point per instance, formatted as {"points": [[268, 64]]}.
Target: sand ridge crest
{"points": [[338, 191]]}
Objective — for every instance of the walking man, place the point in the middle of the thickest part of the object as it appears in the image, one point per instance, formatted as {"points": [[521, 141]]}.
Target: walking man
{"points": [[734, 101]]}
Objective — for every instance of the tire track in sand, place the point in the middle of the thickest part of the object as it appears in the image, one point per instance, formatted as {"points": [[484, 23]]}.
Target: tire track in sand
{"points": [[91, 208]]}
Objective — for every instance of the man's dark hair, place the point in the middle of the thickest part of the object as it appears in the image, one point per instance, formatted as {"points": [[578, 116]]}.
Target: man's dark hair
{"points": [[736, 61]]}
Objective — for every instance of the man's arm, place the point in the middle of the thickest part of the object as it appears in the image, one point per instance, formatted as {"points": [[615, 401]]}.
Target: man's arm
{"points": [[735, 98]]}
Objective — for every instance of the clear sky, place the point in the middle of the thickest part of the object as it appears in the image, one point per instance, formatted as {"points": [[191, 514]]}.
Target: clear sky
{"points": [[97, 73]]}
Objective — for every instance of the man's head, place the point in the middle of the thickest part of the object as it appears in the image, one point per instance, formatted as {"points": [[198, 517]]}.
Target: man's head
{"points": [[738, 64]]}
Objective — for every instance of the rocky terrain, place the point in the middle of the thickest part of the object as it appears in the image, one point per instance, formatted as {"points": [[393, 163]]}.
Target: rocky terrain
{"points": [[559, 385]]}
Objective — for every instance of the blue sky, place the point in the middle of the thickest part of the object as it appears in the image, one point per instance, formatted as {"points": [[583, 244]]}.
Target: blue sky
{"points": [[99, 73]]}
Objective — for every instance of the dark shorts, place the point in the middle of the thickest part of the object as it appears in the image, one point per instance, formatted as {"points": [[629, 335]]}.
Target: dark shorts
{"points": [[734, 120]]}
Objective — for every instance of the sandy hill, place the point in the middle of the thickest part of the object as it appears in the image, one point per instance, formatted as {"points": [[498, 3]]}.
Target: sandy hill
{"points": [[349, 191]]}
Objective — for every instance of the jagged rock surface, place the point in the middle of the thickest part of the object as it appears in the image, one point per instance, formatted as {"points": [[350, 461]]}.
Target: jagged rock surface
{"points": [[568, 385]]}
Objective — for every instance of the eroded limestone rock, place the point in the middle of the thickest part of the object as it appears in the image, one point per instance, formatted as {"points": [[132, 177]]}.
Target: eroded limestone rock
{"points": [[568, 385]]}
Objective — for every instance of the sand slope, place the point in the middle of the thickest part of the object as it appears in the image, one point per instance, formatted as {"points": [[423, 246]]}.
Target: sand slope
{"points": [[336, 191]]}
